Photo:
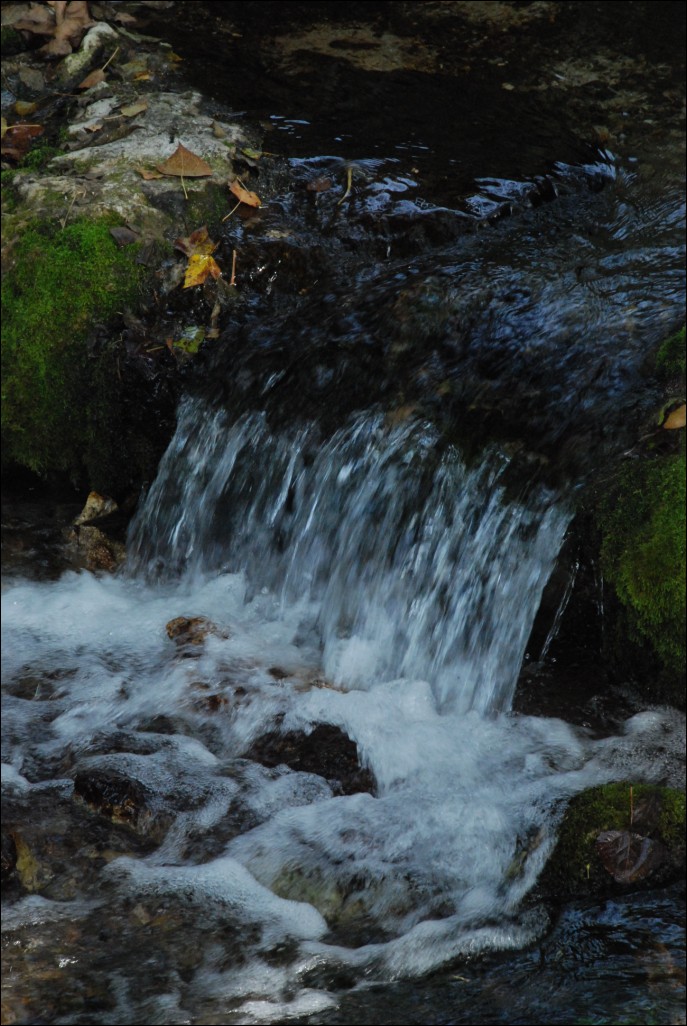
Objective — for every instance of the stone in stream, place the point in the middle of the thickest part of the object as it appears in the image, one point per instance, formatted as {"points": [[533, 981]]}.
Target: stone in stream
{"points": [[326, 751]]}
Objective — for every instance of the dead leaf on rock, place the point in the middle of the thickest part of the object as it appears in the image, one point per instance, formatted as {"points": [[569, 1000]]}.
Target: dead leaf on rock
{"points": [[676, 420], [124, 236], [628, 857], [198, 243], [71, 21], [142, 76], [93, 79], [147, 175], [244, 195], [200, 268], [17, 140], [185, 164], [95, 127], [38, 19], [132, 109]]}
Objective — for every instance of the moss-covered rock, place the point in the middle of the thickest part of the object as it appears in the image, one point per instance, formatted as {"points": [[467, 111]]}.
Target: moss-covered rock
{"points": [[654, 816], [641, 516], [60, 394]]}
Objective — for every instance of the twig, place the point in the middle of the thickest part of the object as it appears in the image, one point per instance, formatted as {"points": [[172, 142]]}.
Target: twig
{"points": [[110, 59], [227, 216], [233, 268]]}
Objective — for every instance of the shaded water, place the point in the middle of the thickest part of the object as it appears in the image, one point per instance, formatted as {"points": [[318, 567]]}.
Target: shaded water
{"points": [[360, 571]]}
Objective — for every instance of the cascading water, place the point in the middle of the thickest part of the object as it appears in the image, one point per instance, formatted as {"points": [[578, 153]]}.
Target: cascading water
{"points": [[404, 562]]}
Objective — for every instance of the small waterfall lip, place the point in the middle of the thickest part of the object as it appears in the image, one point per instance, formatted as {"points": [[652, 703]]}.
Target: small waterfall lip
{"points": [[406, 562]]}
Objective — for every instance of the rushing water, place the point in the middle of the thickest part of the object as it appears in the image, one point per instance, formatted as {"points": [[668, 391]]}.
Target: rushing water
{"points": [[371, 581]]}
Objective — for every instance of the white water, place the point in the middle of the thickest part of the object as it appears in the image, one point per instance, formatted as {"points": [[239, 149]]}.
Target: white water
{"points": [[395, 589]]}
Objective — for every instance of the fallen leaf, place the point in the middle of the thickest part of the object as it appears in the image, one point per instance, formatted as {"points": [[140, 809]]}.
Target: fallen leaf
{"points": [[3, 122], [124, 236], [19, 139], [142, 76], [200, 268], [125, 19], [628, 857], [93, 79], [251, 153], [198, 243], [148, 176], [218, 131], [23, 108], [676, 419], [184, 164], [71, 22], [133, 109], [39, 20], [244, 195], [95, 127]]}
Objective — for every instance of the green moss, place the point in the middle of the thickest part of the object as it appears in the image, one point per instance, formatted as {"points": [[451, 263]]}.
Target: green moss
{"points": [[575, 868], [643, 553], [59, 283], [39, 156], [670, 359]]}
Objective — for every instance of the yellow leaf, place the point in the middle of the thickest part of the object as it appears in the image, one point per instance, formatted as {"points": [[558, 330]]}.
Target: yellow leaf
{"points": [[23, 108], [200, 268], [676, 419], [133, 109], [244, 195]]}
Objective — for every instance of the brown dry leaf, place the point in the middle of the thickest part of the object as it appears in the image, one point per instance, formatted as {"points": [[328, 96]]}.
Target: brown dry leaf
{"points": [[244, 195], [72, 20], [19, 139], [133, 109], [148, 176], [676, 419], [628, 857], [96, 127], [142, 76], [38, 19], [184, 164], [200, 268], [198, 243], [4, 126], [93, 79]]}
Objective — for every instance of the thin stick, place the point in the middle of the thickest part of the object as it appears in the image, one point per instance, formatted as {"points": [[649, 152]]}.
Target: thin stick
{"points": [[233, 268], [227, 216], [184, 187], [110, 59]]}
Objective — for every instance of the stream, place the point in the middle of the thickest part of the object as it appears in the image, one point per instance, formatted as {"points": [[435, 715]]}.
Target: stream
{"points": [[271, 770]]}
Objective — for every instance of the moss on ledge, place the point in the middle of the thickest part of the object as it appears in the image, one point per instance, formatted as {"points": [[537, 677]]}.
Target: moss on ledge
{"points": [[642, 522], [575, 867], [60, 283]]}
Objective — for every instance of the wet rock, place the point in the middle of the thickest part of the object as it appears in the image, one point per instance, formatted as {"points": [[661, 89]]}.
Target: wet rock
{"points": [[123, 800], [192, 630], [55, 847], [616, 838], [325, 751]]}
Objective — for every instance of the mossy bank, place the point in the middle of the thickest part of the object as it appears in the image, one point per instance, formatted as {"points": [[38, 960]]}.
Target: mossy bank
{"points": [[65, 387], [642, 520]]}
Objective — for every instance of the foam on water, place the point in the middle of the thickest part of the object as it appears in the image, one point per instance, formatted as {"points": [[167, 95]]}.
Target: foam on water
{"points": [[395, 589]]}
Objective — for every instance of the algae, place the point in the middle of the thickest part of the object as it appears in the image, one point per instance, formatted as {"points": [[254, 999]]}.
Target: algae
{"points": [[60, 282]]}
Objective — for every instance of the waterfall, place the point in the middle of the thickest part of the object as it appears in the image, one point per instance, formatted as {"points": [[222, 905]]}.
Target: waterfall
{"points": [[405, 561]]}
